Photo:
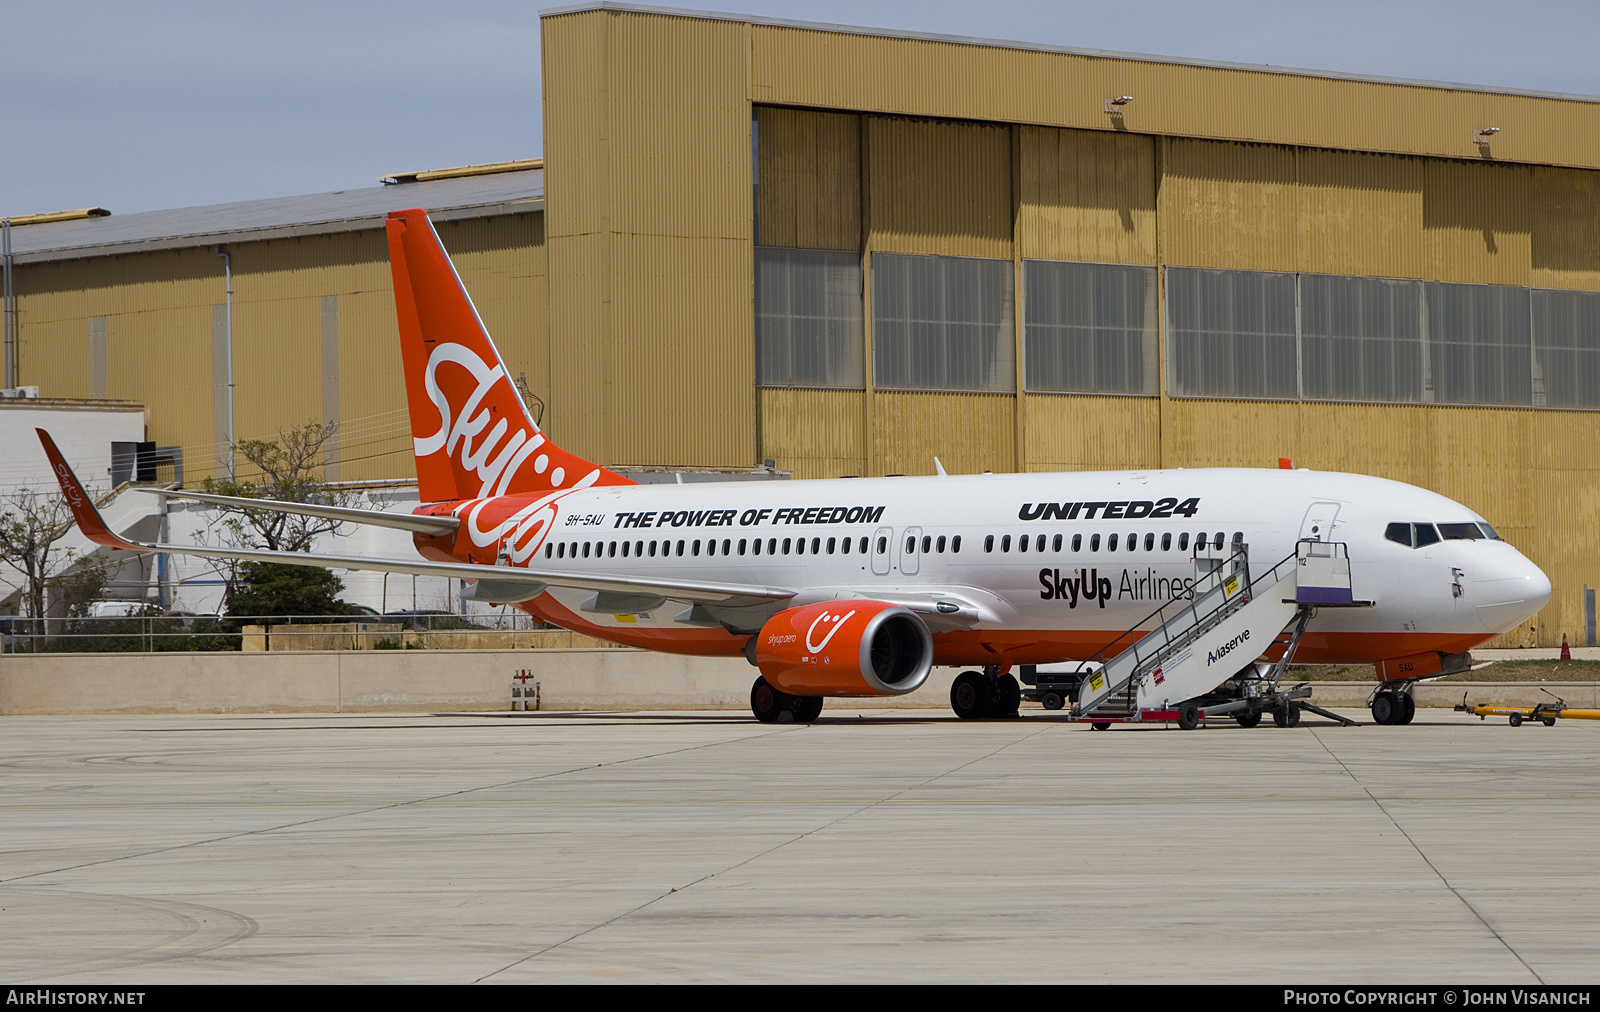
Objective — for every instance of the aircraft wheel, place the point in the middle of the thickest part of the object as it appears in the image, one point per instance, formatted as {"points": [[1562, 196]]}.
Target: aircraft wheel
{"points": [[1100, 725], [1548, 721], [1248, 718], [1287, 715], [1383, 708], [1516, 719], [1006, 697], [1408, 708], [768, 704], [1052, 701], [1188, 717], [805, 708], [969, 695]]}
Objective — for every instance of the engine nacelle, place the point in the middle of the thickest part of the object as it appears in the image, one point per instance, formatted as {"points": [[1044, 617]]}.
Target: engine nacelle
{"points": [[845, 648]]}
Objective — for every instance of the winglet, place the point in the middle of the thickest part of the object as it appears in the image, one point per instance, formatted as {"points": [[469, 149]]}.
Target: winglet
{"points": [[78, 500]]}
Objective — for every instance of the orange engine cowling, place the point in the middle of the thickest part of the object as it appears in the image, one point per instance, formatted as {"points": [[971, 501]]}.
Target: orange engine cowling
{"points": [[845, 648]]}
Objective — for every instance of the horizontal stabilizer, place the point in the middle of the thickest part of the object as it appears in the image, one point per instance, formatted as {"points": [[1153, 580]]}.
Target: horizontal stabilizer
{"points": [[344, 514]]}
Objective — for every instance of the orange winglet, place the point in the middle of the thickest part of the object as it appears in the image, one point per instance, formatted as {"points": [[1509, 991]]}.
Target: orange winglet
{"points": [[78, 500]]}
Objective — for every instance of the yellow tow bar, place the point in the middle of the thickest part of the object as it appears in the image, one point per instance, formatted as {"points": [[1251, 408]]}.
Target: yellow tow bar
{"points": [[1544, 713]]}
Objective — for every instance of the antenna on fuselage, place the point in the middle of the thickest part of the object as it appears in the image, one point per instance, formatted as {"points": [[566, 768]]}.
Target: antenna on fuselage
{"points": [[939, 467]]}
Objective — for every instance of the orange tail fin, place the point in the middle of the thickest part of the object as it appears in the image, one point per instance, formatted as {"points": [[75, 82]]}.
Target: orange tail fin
{"points": [[473, 435]]}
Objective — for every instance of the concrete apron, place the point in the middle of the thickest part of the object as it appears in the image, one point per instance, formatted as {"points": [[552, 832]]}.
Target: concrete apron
{"points": [[351, 681]]}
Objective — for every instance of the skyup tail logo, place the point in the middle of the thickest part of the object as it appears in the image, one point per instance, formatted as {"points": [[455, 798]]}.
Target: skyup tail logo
{"points": [[494, 456], [1083, 585], [1227, 648]]}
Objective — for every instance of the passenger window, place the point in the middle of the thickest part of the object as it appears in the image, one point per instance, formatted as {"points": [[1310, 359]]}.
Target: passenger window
{"points": [[549, 550], [727, 543], [652, 549], [1022, 543], [711, 546], [742, 545], [1111, 543], [1400, 534], [955, 543], [755, 547], [927, 544], [988, 543], [1425, 535], [1238, 537], [844, 546], [612, 553], [911, 545], [786, 543], [1150, 542], [1183, 541], [832, 543], [1038, 545], [863, 544], [939, 545], [883, 545], [1056, 544], [772, 546], [1005, 543], [816, 546], [1218, 540], [800, 546], [1077, 542], [680, 549], [1166, 542], [696, 547], [1094, 542], [561, 550], [1133, 542]]}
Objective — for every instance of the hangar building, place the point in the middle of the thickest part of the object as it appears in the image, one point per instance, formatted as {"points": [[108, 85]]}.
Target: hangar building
{"points": [[846, 251]]}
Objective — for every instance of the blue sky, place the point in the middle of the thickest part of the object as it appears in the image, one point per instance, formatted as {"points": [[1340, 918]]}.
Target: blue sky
{"points": [[172, 103]]}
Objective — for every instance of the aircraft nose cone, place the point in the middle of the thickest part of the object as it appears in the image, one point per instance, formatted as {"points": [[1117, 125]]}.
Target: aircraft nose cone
{"points": [[1507, 588]]}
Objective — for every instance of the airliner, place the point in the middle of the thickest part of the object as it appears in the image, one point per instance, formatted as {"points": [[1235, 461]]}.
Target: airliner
{"points": [[858, 587]]}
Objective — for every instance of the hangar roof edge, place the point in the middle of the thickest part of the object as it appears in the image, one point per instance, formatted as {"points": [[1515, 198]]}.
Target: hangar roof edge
{"points": [[277, 217], [1039, 47]]}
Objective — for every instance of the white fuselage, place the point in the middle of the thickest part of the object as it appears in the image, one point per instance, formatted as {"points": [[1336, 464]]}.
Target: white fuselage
{"points": [[1053, 564]]}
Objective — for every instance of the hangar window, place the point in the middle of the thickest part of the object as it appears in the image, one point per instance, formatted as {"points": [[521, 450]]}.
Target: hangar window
{"points": [[942, 323], [1479, 344], [1361, 339], [808, 319], [1089, 328], [1231, 334], [1566, 338]]}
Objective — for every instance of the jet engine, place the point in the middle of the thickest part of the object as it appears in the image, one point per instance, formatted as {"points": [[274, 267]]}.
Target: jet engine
{"points": [[845, 648]]}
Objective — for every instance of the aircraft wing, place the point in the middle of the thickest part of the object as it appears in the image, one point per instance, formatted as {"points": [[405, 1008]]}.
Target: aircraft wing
{"points": [[531, 581], [374, 518]]}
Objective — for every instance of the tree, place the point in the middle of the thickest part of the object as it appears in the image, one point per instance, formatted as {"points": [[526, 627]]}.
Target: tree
{"points": [[30, 525], [268, 589], [290, 469]]}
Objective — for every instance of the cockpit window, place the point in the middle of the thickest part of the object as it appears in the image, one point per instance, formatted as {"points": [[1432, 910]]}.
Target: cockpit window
{"points": [[1461, 532], [1424, 535], [1489, 531], [1400, 534]]}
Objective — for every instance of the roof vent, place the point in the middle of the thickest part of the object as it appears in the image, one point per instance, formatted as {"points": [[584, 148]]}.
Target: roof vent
{"points": [[486, 169]]}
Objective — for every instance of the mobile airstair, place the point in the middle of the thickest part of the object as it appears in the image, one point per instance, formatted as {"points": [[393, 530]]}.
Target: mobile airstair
{"points": [[1188, 647]]}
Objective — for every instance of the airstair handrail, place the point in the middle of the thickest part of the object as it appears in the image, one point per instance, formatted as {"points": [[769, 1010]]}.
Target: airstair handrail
{"points": [[1271, 577]]}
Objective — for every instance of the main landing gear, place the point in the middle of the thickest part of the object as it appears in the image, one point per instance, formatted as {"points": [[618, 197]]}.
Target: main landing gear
{"points": [[773, 707], [986, 693], [1393, 704]]}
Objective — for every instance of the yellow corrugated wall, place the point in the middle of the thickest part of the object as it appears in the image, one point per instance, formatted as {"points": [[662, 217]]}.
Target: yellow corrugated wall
{"points": [[1086, 195], [809, 195], [159, 336], [922, 77], [649, 233], [1476, 222], [969, 433], [814, 433], [938, 187]]}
